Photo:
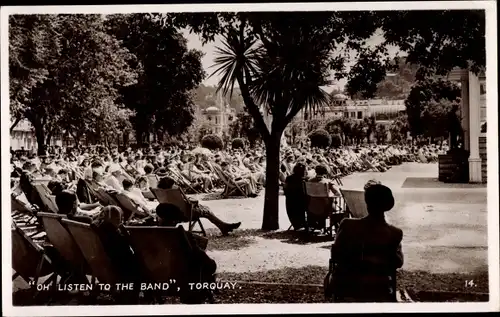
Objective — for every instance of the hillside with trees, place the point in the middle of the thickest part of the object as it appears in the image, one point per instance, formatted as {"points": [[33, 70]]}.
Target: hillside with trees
{"points": [[206, 96]]}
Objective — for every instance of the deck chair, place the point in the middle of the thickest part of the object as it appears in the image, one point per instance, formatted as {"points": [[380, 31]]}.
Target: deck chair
{"points": [[355, 203], [176, 197], [93, 251], [322, 206], [166, 254], [148, 195], [106, 198], [152, 180], [64, 243], [231, 187], [129, 208], [20, 209], [181, 180], [29, 260], [49, 204]]}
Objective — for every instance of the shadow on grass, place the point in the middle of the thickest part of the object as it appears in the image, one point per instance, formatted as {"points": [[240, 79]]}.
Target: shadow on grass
{"points": [[291, 237], [288, 236], [217, 196], [297, 237]]}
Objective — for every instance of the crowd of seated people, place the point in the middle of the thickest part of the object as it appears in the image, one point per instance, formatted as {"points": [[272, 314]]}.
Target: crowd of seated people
{"points": [[198, 172], [73, 178]]}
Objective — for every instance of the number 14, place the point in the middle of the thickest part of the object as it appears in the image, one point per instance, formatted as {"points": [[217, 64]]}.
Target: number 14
{"points": [[469, 283]]}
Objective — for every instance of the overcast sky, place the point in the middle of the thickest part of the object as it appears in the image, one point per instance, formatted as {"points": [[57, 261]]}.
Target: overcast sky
{"points": [[194, 42]]}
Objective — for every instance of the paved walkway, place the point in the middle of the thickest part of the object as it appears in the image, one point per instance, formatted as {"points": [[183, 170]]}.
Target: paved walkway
{"points": [[444, 228]]}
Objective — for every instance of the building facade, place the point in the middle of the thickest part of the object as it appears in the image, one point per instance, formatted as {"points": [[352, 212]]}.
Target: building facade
{"points": [[382, 109], [219, 120], [473, 116], [23, 137]]}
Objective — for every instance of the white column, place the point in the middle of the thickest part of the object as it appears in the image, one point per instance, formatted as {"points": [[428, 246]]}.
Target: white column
{"points": [[474, 128], [465, 110]]}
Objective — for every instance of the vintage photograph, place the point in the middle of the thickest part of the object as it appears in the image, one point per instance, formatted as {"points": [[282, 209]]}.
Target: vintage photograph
{"points": [[247, 157]]}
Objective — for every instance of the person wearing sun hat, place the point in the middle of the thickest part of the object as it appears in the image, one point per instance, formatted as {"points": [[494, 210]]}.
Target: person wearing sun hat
{"points": [[367, 251]]}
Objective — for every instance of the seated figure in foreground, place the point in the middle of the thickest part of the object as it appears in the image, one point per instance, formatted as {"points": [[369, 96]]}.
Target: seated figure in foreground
{"points": [[367, 252]]}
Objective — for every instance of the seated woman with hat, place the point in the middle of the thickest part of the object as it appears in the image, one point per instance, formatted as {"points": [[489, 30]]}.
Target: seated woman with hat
{"points": [[367, 252]]}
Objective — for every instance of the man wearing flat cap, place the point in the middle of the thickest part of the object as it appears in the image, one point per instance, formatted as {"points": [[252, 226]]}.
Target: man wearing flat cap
{"points": [[367, 252]]}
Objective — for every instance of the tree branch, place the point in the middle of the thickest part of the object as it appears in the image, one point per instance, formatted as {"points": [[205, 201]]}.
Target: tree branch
{"points": [[18, 119], [289, 117], [253, 109]]}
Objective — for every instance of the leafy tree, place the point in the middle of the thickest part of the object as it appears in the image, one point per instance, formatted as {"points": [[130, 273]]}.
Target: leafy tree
{"points": [[430, 45], [399, 128], [82, 72], [295, 129], [427, 105], [244, 126], [334, 126], [34, 47], [161, 98], [398, 84], [344, 127]]}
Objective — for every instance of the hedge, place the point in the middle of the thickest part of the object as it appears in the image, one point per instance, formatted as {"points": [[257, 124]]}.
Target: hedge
{"points": [[238, 143], [212, 142], [320, 138]]}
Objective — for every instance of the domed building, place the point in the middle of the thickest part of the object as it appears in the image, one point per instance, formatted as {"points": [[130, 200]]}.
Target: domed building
{"points": [[339, 100], [219, 120]]}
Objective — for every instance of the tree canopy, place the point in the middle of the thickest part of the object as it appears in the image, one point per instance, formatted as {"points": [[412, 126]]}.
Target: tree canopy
{"points": [[428, 104], [65, 70], [162, 98]]}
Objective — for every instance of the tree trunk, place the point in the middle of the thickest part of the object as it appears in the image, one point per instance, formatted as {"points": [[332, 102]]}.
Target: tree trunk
{"points": [[125, 138], [40, 137], [49, 138], [271, 199]]}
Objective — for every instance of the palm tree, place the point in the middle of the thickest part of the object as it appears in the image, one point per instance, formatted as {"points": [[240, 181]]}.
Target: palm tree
{"points": [[280, 70]]}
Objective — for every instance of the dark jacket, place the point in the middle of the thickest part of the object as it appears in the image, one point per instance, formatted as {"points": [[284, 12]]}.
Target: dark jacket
{"points": [[295, 200], [367, 252]]}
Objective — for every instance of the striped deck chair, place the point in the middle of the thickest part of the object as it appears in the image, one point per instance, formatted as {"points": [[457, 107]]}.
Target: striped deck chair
{"points": [[355, 203], [231, 187], [29, 260], [181, 180]]}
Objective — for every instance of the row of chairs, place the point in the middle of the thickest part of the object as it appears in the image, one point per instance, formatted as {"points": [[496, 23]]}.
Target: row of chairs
{"points": [[175, 196], [167, 259]]}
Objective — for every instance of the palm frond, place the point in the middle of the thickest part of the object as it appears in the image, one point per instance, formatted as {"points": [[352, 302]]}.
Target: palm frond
{"points": [[235, 58]]}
